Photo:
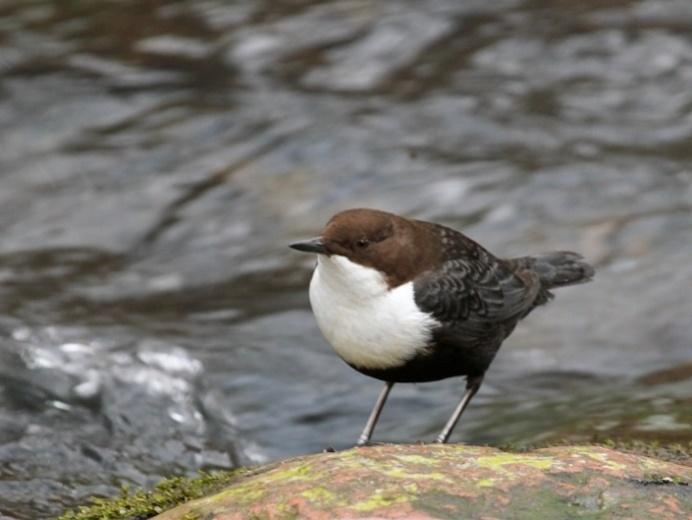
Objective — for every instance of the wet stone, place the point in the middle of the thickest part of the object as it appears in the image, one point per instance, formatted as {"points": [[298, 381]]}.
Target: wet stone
{"points": [[454, 482]]}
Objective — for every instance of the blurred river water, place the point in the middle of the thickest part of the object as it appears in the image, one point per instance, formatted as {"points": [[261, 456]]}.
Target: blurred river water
{"points": [[157, 156]]}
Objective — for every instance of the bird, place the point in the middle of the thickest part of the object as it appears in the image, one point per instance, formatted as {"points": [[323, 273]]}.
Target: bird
{"points": [[410, 301]]}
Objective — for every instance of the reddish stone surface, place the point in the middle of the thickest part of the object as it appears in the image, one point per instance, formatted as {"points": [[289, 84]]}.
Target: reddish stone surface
{"points": [[454, 481]]}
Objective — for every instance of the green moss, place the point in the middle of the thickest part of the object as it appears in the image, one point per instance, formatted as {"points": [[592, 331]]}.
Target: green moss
{"points": [[320, 495], [139, 505], [242, 493], [680, 453], [497, 461], [676, 452], [405, 473], [302, 472], [378, 500]]}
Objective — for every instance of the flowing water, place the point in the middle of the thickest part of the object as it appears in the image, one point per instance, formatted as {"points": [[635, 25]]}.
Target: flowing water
{"points": [[157, 156]]}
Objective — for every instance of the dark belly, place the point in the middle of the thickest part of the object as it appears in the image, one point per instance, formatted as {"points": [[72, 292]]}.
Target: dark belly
{"points": [[440, 361]]}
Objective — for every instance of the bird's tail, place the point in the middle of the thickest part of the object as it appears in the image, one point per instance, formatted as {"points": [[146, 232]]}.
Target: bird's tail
{"points": [[556, 269]]}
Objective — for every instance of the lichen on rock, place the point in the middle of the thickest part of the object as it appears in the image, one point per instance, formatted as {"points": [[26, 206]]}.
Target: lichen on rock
{"points": [[454, 481]]}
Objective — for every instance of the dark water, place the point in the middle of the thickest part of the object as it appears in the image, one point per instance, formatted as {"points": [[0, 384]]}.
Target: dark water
{"points": [[157, 156]]}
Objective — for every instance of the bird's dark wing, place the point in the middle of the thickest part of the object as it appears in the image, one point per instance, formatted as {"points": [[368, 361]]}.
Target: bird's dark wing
{"points": [[473, 292]]}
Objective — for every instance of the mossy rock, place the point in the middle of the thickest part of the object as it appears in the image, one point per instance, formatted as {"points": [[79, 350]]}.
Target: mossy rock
{"points": [[454, 481]]}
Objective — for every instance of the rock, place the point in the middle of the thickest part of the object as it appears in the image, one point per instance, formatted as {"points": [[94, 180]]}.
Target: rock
{"points": [[453, 481]]}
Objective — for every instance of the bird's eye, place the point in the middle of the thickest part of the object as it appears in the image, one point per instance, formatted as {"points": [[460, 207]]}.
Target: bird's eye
{"points": [[363, 242]]}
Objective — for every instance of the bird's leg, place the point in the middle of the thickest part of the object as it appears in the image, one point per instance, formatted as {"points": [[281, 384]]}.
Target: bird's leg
{"points": [[374, 415], [472, 386]]}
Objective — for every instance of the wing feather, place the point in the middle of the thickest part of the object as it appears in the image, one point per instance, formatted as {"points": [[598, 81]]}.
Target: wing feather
{"points": [[475, 292]]}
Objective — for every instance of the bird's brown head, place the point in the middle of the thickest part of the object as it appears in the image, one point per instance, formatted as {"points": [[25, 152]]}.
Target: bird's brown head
{"points": [[389, 243]]}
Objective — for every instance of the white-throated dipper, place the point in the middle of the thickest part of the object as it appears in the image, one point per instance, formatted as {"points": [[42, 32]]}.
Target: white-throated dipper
{"points": [[408, 301]]}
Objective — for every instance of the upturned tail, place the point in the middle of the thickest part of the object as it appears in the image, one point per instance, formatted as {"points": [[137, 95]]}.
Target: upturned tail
{"points": [[556, 269]]}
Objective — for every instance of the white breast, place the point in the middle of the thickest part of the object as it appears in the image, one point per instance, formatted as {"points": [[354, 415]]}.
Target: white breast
{"points": [[368, 324]]}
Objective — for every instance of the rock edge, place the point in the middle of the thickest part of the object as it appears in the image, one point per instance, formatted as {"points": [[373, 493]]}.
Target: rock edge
{"points": [[453, 481]]}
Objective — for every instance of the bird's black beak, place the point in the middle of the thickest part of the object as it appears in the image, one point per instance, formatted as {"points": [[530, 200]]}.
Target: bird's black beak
{"points": [[310, 246]]}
